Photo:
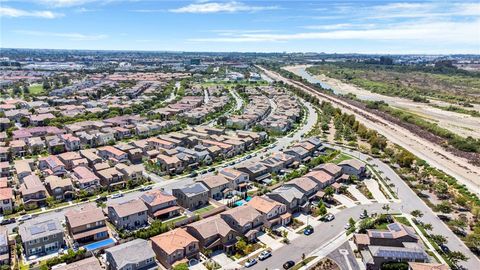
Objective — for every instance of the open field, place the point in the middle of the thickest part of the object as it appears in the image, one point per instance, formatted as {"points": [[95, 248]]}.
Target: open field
{"points": [[459, 123], [406, 81]]}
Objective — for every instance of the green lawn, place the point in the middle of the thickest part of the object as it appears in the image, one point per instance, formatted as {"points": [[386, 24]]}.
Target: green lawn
{"points": [[36, 89], [340, 158], [175, 220], [204, 209]]}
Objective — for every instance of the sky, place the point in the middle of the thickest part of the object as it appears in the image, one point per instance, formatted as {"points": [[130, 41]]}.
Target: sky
{"points": [[383, 27]]}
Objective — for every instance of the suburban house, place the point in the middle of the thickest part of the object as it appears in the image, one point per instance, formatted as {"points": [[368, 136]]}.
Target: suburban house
{"points": [[86, 224], [218, 186], [113, 154], [33, 191], [353, 167], [6, 197], [293, 198], [321, 177], [273, 212], [85, 179], [52, 165], [41, 236], [160, 204], [399, 243], [60, 188], [255, 171], [133, 255], [330, 168], [175, 245], [170, 164], [213, 234], [111, 177], [245, 219], [304, 184], [132, 173], [237, 178], [129, 215], [192, 197]]}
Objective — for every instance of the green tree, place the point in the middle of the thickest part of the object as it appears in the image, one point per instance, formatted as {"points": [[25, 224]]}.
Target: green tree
{"points": [[457, 256], [329, 191], [444, 207], [417, 213], [438, 239]]}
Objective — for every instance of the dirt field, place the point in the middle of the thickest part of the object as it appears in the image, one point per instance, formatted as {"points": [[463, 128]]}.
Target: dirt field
{"points": [[434, 154], [461, 124]]}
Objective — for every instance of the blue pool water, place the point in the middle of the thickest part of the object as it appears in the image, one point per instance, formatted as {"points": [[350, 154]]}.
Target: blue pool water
{"points": [[248, 198], [240, 203], [99, 244]]}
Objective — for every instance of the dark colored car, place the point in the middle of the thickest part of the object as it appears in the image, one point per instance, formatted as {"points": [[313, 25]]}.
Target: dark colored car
{"points": [[288, 264], [211, 169], [308, 230], [193, 174], [7, 221], [444, 248]]}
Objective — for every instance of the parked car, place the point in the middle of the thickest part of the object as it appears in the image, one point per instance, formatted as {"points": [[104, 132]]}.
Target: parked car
{"points": [[146, 188], [288, 264], [193, 174], [250, 262], [363, 216], [264, 255], [7, 221], [116, 196], [25, 217], [211, 169], [101, 199], [308, 230], [329, 217], [347, 226], [444, 217], [444, 248]]}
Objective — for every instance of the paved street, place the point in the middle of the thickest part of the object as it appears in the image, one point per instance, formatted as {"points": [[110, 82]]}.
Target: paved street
{"points": [[410, 201], [324, 233]]}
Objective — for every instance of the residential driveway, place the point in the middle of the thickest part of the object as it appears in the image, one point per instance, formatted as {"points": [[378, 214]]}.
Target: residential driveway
{"points": [[270, 241], [372, 185], [291, 233], [358, 195], [307, 219], [344, 200], [222, 259]]}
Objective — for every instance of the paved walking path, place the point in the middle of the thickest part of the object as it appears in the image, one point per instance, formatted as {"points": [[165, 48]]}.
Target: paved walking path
{"points": [[358, 195]]}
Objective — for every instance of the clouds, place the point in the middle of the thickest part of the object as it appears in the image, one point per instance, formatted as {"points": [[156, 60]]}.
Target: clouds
{"points": [[18, 13], [218, 7], [442, 31], [68, 36]]}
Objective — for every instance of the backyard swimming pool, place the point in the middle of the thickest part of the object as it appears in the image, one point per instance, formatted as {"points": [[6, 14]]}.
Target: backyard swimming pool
{"points": [[100, 244]]}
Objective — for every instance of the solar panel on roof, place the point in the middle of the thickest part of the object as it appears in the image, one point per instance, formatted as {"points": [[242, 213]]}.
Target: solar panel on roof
{"points": [[376, 234], [51, 226], [387, 235], [394, 227], [36, 230]]}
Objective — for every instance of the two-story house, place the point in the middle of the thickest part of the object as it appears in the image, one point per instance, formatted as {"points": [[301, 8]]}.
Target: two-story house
{"points": [[41, 236], [175, 245], [160, 204], [33, 191], [214, 234], [133, 255], [192, 196], [129, 215], [273, 212], [86, 224], [244, 219], [218, 186], [239, 180]]}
